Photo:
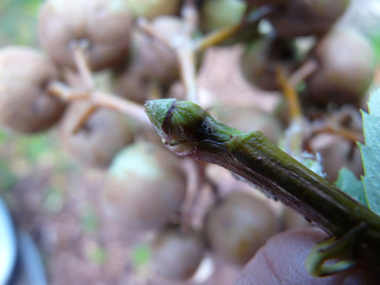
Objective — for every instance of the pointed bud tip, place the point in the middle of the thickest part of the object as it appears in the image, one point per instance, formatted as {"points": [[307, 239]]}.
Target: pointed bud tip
{"points": [[157, 110]]}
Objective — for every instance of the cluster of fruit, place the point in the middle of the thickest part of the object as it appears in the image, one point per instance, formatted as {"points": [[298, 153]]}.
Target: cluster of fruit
{"points": [[146, 185]]}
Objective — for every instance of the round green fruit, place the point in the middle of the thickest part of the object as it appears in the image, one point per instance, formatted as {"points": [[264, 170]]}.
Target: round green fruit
{"points": [[306, 17], [145, 186], [25, 103], [260, 59], [102, 136], [346, 68], [151, 63], [336, 152], [218, 14], [258, 3], [238, 225], [177, 253], [151, 9], [103, 25]]}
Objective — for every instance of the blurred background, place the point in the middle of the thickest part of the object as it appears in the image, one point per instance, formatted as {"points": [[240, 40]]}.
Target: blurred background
{"points": [[56, 201]]}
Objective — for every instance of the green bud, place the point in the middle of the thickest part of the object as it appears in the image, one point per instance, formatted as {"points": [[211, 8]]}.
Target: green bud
{"points": [[182, 121], [157, 111]]}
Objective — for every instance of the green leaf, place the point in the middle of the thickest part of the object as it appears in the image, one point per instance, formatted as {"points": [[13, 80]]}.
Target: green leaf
{"points": [[349, 184], [375, 40], [371, 152]]}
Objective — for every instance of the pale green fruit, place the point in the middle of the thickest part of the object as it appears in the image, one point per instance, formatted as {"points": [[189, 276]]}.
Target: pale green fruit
{"points": [[238, 225], [104, 25], [176, 253], [25, 104], [346, 68], [145, 185], [103, 135], [153, 8]]}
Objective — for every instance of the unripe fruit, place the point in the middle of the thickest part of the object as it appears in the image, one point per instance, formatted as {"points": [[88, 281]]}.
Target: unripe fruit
{"points": [[336, 152], [155, 60], [151, 62], [177, 253], [105, 25], [151, 9], [103, 135], [145, 185], [25, 104], [306, 17], [131, 85], [238, 226], [346, 69], [219, 14], [258, 3], [260, 59]]}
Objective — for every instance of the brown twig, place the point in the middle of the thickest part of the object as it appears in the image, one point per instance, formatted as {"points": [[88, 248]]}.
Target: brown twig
{"points": [[216, 37], [296, 132], [306, 69], [187, 48], [183, 46], [195, 180], [190, 15], [87, 80], [221, 35], [290, 94], [101, 99], [81, 62], [186, 57], [345, 133], [144, 25], [83, 119], [65, 92]]}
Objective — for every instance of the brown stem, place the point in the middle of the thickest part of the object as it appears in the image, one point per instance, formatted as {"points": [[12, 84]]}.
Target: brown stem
{"points": [[341, 131], [183, 45], [191, 17], [83, 119], [65, 92], [307, 69], [82, 64], [120, 105], [102, 99], [186, 58], [193, 171], [221, 35], [295, 134], [186, 52], [216, 37], [290, 93], [145, 27]]}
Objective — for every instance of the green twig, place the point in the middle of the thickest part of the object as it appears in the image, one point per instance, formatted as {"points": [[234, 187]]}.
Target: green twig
{"points": [[190, 131]]}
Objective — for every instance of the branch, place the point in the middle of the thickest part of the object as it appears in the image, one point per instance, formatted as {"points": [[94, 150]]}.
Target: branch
{"points": [[190, 131], [101, 99]]}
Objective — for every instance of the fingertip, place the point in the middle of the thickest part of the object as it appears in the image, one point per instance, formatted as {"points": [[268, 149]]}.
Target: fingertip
{"points": [[282, 261]]}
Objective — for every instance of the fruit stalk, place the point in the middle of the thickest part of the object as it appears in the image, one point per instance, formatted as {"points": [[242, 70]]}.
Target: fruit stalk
{"points": [[190, 131], [100, 99]]}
